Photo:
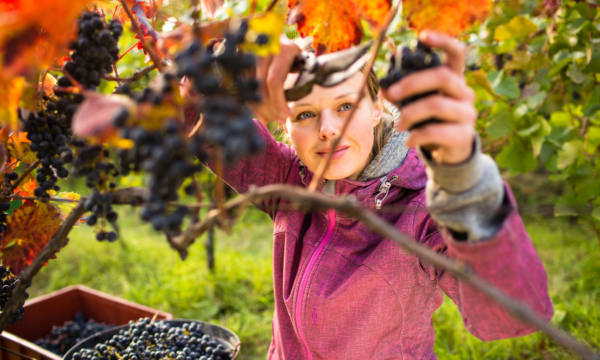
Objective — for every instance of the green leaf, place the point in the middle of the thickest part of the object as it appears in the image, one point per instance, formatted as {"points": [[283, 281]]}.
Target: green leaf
{"points": [[14, 205], [536, 100], [558, 67], [516, 157], [529, 130], [569, 153], [594, 64], [560, 118], [517, 28], [575, 74], [593, 135], [505, 85]]}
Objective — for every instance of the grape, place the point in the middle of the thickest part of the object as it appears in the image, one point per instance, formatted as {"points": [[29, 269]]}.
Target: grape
{"points": [[227, 122], [62, 338], [7, 284], [146, 339], [49, 130], [411, 61]]}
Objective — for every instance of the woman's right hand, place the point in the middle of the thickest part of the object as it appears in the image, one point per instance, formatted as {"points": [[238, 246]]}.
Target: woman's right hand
{"points": [[271, 72]]}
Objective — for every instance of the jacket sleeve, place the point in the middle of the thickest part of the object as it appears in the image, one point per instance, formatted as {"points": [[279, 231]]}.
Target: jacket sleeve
{"points": [[507, 261], [271, 166]]}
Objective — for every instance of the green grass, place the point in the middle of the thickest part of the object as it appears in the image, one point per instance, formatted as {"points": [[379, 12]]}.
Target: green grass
{"points": [[239, 295]]}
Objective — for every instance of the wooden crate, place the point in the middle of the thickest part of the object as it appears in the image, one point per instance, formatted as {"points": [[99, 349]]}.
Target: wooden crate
{"points": [[60, 306]]}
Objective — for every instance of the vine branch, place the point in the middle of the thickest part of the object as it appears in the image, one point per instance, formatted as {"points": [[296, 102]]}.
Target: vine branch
{"points": [[57, 242], [153, 55], [307, 199]]}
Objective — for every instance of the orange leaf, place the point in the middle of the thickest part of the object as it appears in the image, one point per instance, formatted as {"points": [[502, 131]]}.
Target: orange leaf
{"points": [[26, 188], [447, 16], [335, 25], [28, 230], [31, 36]]}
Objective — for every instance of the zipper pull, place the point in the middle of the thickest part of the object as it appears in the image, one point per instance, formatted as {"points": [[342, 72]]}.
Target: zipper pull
{"points": [[384, 188]]}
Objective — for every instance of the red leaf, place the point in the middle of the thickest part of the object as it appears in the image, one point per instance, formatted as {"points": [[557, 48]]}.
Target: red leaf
{"points": [[447, 16], [335, 25], [29, 229]]}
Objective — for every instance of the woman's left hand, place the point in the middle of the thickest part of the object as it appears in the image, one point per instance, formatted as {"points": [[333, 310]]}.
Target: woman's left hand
{"points": [[451, 141]]}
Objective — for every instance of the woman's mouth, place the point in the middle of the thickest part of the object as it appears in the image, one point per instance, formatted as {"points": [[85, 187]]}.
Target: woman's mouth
{"points": [[337, 153]]}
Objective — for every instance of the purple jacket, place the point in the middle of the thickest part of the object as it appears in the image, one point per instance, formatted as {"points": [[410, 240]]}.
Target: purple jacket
{"points": [[344, 292]]}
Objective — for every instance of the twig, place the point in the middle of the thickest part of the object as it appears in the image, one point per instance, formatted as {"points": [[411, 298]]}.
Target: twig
{"points": [[135, 77], [153, 55], [271, 5], [24, 174], [17, 197], [57, 242], [313, 200], [324, 163]]}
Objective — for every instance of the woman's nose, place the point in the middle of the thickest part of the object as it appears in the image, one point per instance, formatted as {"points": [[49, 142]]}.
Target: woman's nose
{"points": [[330, 125]]}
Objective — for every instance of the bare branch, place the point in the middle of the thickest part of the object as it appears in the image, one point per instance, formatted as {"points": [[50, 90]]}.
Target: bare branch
{"points": [[312, 200], [135, 77], [58, 241], [153, 55]]}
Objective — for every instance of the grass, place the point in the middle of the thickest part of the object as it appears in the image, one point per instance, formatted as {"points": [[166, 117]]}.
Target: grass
{"points": [[239, 296]]}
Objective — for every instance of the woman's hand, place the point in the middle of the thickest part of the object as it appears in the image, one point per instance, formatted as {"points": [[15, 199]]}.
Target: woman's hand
{"points": [[451, 141], [271, 72]]}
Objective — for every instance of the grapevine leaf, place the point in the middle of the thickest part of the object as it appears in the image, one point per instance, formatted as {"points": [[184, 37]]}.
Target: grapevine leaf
{"points": [[10, 93], [594, 64], [516, 157], [517, 28], [335, 25], [575, 74], [30, 37], [505, 85], [270, 25], [569, 153], [450, 17], [28, 230]]}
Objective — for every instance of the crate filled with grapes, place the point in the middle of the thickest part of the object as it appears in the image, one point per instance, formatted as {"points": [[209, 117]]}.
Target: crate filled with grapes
{"points": [[54, 322]]}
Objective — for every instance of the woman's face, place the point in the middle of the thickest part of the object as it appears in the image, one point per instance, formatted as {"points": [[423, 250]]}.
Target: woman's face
{"points": [[317, 120]]}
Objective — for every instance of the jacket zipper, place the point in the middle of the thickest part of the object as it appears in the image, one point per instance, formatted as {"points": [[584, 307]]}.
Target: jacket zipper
{"points": [[304, 280], [383, 190]]}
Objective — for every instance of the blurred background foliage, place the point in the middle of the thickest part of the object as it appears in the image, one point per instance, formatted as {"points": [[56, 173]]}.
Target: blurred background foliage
{"points": [[535, 67]]}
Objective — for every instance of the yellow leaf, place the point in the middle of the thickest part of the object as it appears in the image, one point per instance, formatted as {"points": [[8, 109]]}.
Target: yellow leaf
{"points": [[269, 24], [10, 94]]}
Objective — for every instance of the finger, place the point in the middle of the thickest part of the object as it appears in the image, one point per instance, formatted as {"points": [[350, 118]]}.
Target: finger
{"points": [[262, 68], [440, 79], [454, 49], [437, 106], [278, 71], [451, 143]]}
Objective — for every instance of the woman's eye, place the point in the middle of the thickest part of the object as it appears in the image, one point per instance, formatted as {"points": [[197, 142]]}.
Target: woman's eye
{"points": [[305, 115], [345, 107]]}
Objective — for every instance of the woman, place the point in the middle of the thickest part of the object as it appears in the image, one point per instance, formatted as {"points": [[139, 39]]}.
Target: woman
{"points": [[341, 290]]}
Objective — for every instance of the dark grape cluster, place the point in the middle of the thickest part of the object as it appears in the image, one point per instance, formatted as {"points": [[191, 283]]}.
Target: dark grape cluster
{"points": [[411, 61], [94, 51], [7, 284], [49, 131], [166, 157], [146, 339], [62, 338], [224, 75], [9, 179], [92, 161]]}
